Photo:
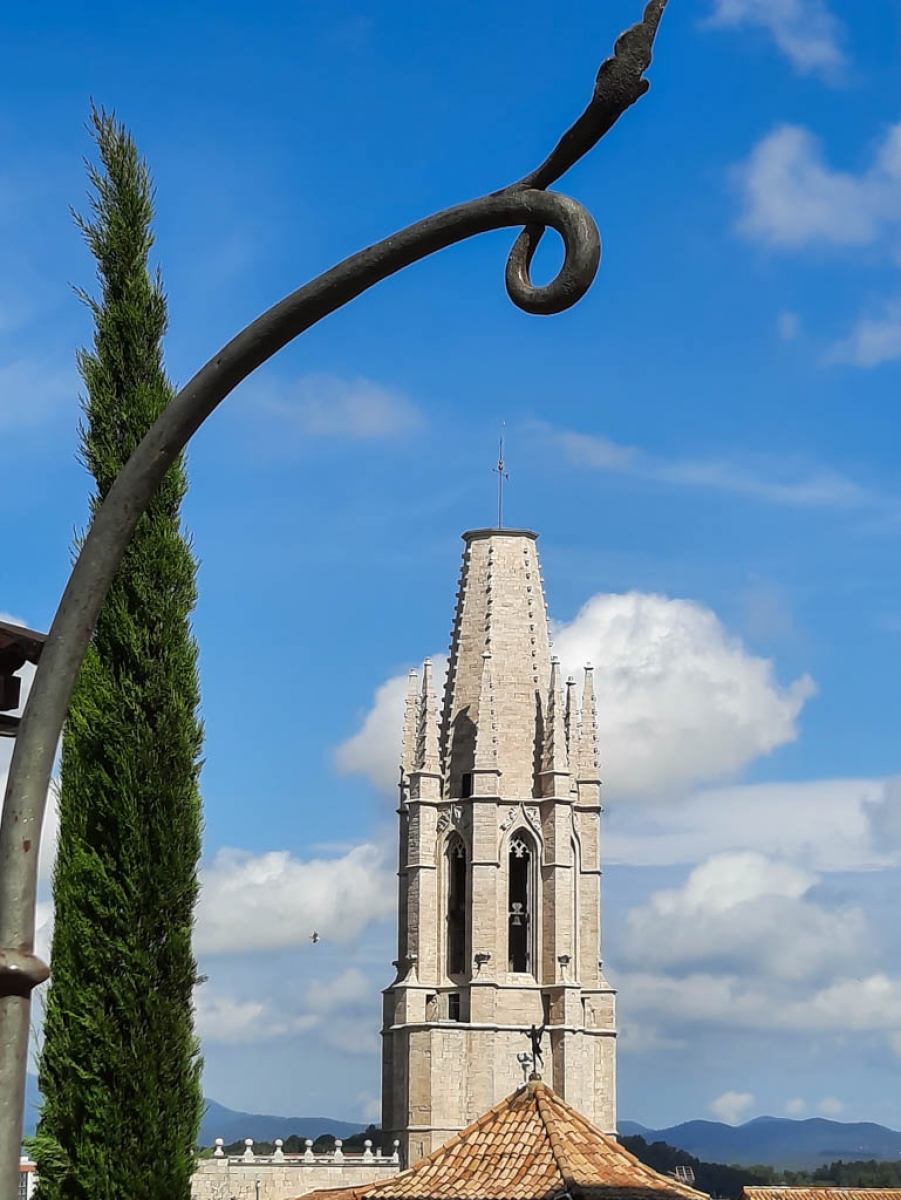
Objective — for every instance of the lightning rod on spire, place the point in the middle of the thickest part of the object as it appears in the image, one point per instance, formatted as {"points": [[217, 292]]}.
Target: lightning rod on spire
{"points": [[501, 472]]}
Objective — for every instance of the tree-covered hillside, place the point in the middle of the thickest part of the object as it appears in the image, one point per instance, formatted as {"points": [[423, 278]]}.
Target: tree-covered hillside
{"points": [[718, 1179]]}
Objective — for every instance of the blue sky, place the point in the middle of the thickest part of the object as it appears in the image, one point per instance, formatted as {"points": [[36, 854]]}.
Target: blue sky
{"points": [[708, 445]]}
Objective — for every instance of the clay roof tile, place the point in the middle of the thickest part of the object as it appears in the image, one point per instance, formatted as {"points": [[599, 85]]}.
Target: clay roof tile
{"points": [[531, 1146]]}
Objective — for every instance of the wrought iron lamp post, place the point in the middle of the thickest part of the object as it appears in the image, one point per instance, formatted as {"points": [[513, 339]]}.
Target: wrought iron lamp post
{"points": [[620, 83]]}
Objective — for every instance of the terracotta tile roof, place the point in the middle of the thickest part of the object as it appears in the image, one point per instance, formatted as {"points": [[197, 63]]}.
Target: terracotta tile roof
{"points": [[820, 1193], [531, 1146]]}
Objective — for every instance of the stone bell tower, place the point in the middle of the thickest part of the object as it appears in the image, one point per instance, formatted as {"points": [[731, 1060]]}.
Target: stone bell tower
{"points": [[499, 869]]}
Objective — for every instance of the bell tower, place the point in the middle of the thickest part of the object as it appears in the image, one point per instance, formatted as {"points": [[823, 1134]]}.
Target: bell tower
{"points": [[499, 868]]}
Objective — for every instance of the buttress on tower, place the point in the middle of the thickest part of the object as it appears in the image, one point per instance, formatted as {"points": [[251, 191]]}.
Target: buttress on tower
{"points": [[499, 869]]}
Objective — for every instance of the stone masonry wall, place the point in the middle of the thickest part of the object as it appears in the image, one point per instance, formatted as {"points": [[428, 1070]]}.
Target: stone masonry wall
{"points": [[235, 1179]]}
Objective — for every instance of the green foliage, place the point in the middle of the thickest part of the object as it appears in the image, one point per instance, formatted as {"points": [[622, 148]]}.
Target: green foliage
{"points": [[324, 1144], [120, 1069], [371, 1133], [863, 1174], [716, 1179]]}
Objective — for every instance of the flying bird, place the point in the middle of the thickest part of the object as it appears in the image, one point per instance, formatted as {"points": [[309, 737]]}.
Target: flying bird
{"points": [[314, 937]]}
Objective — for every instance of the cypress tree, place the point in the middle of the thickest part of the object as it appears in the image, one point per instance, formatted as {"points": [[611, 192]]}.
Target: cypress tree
{"points": [[120, 1069]]}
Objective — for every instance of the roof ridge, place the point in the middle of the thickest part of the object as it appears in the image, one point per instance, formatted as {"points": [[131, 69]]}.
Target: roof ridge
{"points": [[676, 1184], [558, 1149], [575, 1117], [532, 1145], [370, 1189]]}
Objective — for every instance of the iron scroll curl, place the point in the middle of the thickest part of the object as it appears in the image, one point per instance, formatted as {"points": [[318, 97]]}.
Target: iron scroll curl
{"points": [[582, 257]]}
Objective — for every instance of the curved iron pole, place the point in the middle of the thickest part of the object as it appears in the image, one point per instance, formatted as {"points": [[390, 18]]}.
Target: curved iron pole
{"points": [[618, 85]]}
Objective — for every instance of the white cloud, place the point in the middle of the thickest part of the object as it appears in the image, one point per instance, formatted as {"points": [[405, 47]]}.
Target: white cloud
{"points": [[731, 1106], [883, 813], [375, 749], [724, 916], [743, 944], [804, 30], [794, 198], [270, 901], [679, 699], [873, 1002], [795, 1107], [356, 1036], [349, 990], [873, 340], [321, 405], [830, 1107], [595, 450], [773, 482], [823, 825], [343, 1012], [348, 1009], [224, 1019], [633, 1037], [864, 1004], [237, 1022]]}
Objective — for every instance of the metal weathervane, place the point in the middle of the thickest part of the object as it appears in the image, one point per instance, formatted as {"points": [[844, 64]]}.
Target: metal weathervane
{"points": [[526, 203]]}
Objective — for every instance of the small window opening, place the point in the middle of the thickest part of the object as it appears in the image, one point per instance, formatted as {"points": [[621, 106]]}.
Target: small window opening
{"points": [[466, 785], [518, 920], [456, 908], [545, 1008], [453, 1006]]}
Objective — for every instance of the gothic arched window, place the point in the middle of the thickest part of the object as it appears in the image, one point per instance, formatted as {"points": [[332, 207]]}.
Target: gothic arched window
{"points": [[577, 905], [456, 907], [519, 908]]}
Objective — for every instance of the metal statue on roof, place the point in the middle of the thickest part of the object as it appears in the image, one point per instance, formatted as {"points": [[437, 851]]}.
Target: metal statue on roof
{"points": [[535, 1035]]}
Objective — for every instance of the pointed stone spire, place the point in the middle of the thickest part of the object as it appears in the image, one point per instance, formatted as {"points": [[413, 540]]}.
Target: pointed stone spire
{"points": [[573, 729], [500, 608], [588, 768], [485, 761], [427, 760], [554, 760], [411, 713]]}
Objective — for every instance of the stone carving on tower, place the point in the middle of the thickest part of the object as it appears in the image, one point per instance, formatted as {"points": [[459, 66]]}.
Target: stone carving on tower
{"points": [[499, 869]]}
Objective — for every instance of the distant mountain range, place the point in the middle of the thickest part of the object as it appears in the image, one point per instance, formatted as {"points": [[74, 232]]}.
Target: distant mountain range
{"points": [[773, 1141], [219, 1121], [777, 1141]]}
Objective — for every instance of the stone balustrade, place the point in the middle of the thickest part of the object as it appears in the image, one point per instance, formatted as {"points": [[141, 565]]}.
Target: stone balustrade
{"points": [[280, 1176]]}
